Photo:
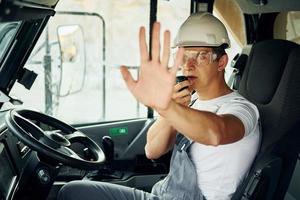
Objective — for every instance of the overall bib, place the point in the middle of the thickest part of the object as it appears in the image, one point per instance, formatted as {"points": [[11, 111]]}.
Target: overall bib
{"points": [[181, 182]]}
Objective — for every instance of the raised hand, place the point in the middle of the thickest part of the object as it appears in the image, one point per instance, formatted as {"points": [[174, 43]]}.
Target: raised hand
{"points": [[154, 87]]}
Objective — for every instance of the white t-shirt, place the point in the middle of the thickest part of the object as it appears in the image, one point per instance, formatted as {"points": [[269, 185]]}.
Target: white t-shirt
{"points": [[221, 168]]}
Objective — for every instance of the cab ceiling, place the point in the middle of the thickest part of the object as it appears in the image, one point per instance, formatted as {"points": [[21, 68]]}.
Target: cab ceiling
{"points": [[250, 7]]}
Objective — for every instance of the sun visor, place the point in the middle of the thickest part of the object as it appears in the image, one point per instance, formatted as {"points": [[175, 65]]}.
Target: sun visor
{"points": [[44, 3], [48, 3], [24, 10]]}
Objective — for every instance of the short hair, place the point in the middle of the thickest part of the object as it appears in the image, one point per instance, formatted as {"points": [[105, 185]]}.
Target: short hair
{"points": [[219, 51]]}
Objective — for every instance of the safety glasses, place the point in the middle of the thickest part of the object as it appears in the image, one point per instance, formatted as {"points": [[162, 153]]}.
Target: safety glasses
{"points": [[200, 57]]}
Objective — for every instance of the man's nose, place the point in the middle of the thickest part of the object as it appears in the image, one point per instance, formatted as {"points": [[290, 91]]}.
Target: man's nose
{"points": [[190, 65]]}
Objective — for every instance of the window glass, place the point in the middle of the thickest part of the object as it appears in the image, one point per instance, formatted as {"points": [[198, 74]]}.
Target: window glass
{"points": [[172, 14], [123, 48], [287, 26], [78, 57], [7, 32]]}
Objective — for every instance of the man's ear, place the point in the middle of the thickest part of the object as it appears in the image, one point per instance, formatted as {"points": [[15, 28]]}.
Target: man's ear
{"points": [[222, 62]]}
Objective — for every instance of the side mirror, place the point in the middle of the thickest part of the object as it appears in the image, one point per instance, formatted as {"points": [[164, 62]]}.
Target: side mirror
{"points": [[69, 38], [73, 58]]}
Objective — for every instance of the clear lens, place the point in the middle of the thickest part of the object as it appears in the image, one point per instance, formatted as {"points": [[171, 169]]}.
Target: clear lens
{"points": [[200, 57]]}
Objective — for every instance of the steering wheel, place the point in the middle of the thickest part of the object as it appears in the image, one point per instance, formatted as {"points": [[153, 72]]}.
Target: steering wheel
{"points": [[54, 144]]}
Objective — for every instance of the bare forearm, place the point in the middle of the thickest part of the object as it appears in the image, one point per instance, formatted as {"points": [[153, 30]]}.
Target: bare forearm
{"points": [[160, 138], [200, 126]]}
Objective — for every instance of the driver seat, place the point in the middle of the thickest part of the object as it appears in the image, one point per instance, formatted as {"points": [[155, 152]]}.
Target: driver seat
{"points": [[271, 81]]}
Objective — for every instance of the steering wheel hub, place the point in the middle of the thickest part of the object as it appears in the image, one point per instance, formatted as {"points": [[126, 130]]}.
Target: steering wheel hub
{"points": [[57, 137]]}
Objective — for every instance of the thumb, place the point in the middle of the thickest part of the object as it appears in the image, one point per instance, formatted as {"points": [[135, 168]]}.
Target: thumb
{"points": [[178, 60], [130, 82]]}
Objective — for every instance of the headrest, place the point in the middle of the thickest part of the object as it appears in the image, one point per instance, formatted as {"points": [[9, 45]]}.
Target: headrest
{"points": [[264, 69]]}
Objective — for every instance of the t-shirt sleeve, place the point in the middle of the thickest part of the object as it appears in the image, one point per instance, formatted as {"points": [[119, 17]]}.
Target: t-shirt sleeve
{"points": [[244, 110]]}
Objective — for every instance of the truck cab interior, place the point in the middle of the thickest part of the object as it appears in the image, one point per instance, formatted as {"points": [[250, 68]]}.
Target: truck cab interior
{"points": [[60, 90]]}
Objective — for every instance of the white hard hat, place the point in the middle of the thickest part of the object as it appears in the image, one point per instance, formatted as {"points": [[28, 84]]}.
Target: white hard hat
{"points": [[202, 29]]}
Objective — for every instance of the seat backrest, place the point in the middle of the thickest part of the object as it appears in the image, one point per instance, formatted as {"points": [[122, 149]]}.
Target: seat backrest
{"points": [[271, 81]]}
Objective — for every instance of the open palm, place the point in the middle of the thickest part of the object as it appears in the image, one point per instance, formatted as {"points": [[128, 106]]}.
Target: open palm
{"points": [[154, 86]]}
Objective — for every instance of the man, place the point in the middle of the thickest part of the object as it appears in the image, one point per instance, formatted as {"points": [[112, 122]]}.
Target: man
{"points": [[219, 132]]}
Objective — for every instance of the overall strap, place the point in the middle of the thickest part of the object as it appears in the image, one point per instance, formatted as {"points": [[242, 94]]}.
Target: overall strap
{"points": [[192, 103], [182, 143]]}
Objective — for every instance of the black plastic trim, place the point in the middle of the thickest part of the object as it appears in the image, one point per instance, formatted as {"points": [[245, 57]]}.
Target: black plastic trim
{"points": [[16, 11], [17, 57]]}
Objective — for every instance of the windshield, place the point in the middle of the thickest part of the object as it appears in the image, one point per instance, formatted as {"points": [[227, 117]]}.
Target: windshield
{"points": [[7, 33], [78, 55]]}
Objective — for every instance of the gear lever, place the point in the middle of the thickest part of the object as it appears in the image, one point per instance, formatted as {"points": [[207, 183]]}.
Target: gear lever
{"points": [[108, 172], [108, 148]]}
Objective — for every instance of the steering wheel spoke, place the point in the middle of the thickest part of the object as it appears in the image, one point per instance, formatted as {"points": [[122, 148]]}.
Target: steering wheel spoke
{"points": [[69, 152], [31, 128], [76, 136]]}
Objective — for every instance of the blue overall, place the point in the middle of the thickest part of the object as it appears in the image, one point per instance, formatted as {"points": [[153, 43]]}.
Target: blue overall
{"points": [[181, 182]]}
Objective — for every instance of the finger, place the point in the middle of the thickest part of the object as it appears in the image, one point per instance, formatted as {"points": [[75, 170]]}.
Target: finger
{"points": [[143, 45], [187, 103], [191, 89], [181, 85], [187, 98], [184, 101], [174, 96], [184, 93], [178, 61], [166, 49], [130, 82], [181, 94], [155, 51]]}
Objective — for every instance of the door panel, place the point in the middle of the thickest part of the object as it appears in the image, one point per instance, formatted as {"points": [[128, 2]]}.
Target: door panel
{"points": [[130, 166], [129, 136]]}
